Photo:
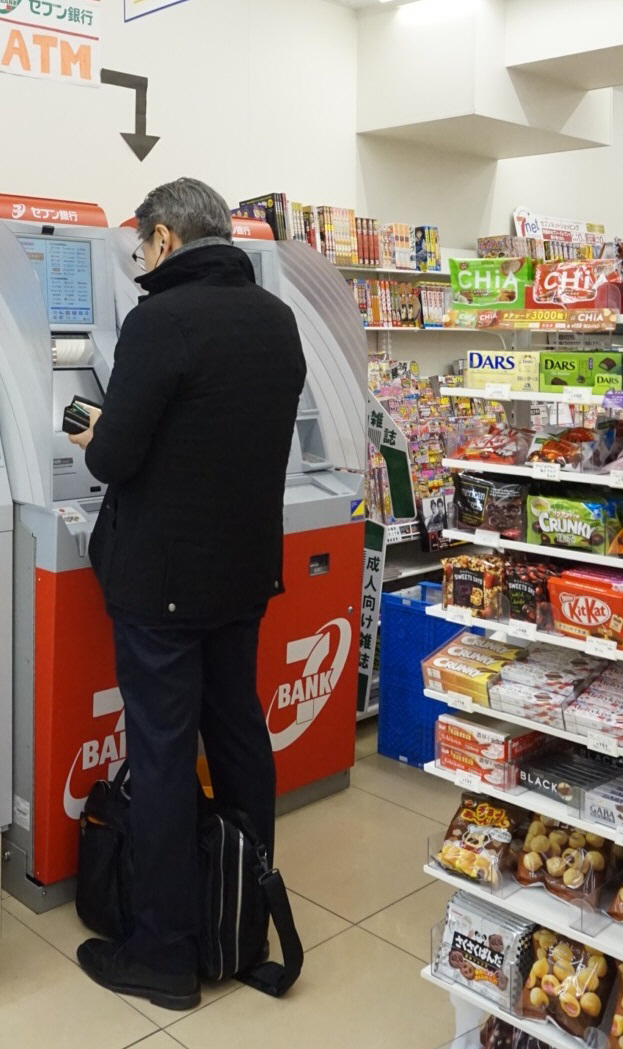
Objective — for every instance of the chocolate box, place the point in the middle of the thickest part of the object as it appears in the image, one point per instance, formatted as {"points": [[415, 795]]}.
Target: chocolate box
{"points": [[585, 606], [492, 740], [518, 369]]}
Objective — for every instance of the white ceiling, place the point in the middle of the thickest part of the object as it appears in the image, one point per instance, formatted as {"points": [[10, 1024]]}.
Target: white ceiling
{"points": [[359, 4]]}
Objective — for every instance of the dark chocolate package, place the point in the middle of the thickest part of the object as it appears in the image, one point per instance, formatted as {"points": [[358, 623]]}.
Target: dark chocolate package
{"points": [[492, 504], [568, 984], [526, 590]]}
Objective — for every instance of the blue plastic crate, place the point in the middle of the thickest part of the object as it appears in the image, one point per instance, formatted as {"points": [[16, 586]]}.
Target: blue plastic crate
{"points": [[406, 717]]}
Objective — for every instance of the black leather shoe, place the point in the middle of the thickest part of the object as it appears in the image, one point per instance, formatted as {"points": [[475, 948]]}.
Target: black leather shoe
{"points": [[106, 963]]}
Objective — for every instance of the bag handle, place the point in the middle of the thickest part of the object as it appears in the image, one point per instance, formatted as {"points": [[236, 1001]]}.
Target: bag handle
{"points": [[270, 977]]}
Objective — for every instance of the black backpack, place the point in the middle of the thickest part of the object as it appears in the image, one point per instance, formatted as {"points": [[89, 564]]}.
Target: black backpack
{"points": [[238, 895]]}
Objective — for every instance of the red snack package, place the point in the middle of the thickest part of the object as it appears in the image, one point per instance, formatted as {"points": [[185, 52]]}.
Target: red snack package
{"points": [[573, 283]]}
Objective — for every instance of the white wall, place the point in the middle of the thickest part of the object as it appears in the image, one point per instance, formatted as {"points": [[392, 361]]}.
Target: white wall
{"points": [[253, 96]]}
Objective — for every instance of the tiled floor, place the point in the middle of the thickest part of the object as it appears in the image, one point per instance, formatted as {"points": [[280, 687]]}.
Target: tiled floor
{"points": [[363, 907]]}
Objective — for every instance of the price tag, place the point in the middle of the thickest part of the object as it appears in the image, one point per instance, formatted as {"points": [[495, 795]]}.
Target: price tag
{"points": [[459, 615], [484, 537], [393, 534], [602, 744], [598, 646], [523, 630], [468, 781], [498, 391], [459, 702], [615, 478], [546, 471], [576, 395]]}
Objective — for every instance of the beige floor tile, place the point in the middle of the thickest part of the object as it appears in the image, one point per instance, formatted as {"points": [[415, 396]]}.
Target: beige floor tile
{"points": [[60, 927], [407, 924], [314, 925], [46, 1000], [162, 1017], [367, 738], [355, 991], [353, 853], [161, 1040], [407, 786]]}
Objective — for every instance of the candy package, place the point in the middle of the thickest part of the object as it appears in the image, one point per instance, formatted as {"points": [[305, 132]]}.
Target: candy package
{"points": [[478, 841], [490, 503], [504, 444], [474, 582], [568, 983], [572, 284], [570, 863]]}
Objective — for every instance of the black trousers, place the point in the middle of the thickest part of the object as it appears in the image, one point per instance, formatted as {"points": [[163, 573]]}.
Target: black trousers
{"points": [[176, 683]]}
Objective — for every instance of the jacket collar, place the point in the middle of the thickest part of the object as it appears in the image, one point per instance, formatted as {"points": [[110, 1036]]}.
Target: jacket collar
{"points": [[212, 259]]}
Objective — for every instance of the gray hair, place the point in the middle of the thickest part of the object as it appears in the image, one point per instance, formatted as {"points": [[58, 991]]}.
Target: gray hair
{"points": [[187, 207]]}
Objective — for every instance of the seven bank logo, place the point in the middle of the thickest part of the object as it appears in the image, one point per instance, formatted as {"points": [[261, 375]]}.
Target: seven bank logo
{"points": [[300, 701], [94, 753]]}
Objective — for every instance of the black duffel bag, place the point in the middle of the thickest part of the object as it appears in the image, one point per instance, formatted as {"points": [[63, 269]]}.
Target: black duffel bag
{"points": [[239, 893]]}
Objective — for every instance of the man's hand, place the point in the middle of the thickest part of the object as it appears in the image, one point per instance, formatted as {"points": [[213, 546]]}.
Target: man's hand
{"points": [[85, 438]]}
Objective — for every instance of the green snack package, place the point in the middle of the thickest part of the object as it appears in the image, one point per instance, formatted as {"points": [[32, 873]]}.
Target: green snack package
{"points": [[554, 520], [483, 284]]}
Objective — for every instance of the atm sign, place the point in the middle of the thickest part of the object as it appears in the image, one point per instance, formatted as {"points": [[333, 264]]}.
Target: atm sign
{"points": [[50, 40]]}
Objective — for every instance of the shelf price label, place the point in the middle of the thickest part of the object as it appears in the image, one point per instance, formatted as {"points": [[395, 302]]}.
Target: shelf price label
{"points": [[468, 781], [527, 631], [599, 646], [602, 744], [498, 391], [393, 534], [576, 395], [546, 471], [484, 537], [615, 478], [454, 614], [458, 701]]}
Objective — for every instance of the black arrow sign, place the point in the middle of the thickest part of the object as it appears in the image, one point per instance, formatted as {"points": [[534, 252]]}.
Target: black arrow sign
{"points": [[139, 141]]}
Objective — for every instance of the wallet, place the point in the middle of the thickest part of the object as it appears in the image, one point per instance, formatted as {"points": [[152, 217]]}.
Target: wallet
{"points": [[76, 416]]}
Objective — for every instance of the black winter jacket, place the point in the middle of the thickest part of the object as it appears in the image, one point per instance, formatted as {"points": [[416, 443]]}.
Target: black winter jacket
{"points": [[193, 443]]}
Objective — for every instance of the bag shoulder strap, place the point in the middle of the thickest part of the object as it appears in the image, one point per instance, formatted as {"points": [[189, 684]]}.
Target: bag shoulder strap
{"points": [[270, 977]]}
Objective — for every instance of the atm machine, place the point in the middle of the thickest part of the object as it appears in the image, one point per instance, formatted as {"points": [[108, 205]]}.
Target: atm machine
{"points": [[77, 282]]}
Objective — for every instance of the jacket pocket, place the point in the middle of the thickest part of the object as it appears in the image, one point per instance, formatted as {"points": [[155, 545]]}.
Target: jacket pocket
{"points": [[189, 581]]}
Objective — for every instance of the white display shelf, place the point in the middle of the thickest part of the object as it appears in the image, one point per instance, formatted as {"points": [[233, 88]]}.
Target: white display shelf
{"points": [[546, 1032], [530, 800], [513, 719], [517, 395], [424, 275], [495, 541], [529, 471], [538, 906], [519, 631]]}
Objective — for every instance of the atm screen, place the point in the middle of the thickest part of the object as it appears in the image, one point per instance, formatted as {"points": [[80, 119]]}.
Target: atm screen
{"points": [[64, 271]]}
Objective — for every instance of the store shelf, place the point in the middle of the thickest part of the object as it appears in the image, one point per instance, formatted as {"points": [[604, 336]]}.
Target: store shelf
{"points": [[424, 275], [530, 800], [496, 542], [546, 1032], [513, 719], [516, 395], [519, 630], [529, 471], [538, 906]]}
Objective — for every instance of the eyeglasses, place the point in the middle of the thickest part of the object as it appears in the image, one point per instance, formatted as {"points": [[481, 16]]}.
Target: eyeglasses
{"points": [[139, 257]]}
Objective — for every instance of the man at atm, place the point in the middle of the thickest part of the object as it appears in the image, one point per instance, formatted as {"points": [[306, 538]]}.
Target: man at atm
{"points": [[188, 551]]}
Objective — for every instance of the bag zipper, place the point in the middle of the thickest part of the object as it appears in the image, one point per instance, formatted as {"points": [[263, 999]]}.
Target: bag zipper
{"points": [[239, 903], [220, 917]]}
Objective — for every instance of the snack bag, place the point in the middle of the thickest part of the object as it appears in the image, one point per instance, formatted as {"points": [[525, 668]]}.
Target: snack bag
{"points": [[571, 521], [568, 984], [504, 444], [483, 284], [616, 1028], [474, 582], [489, 503], [526, 589], [568, 862], [478, 841]]}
